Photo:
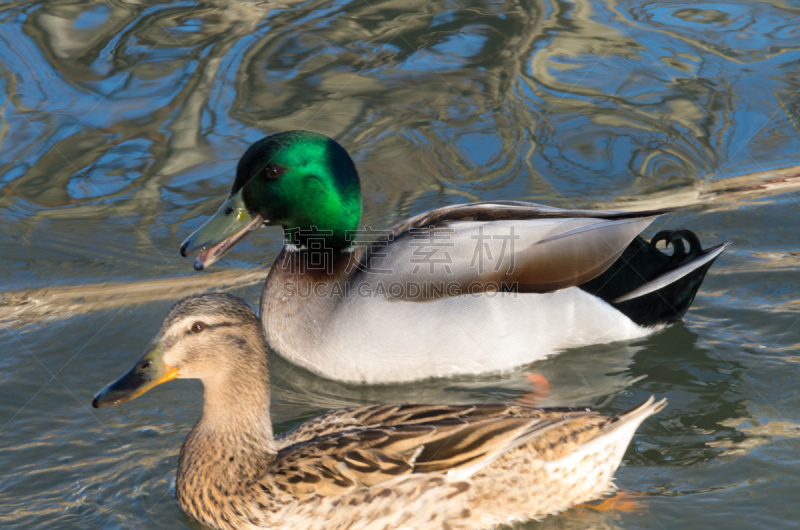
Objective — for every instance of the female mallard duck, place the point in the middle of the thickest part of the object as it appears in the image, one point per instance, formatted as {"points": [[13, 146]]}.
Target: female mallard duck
{"points": [[373, 467], [464, 289]]}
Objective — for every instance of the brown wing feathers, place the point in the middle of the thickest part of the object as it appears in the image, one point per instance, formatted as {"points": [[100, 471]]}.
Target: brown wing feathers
{"points": [[458, 438], [504, 211], [526, 257]]}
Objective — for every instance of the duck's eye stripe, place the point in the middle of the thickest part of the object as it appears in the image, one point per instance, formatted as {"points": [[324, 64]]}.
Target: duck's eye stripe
{"points": [[206, 327]]}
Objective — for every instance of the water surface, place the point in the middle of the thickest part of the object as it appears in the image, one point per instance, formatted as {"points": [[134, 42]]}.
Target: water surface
{"points": [[120, 126]]}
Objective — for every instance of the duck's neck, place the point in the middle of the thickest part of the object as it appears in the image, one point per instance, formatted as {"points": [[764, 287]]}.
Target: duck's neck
{"points": [[238, 406], [232, 444], [331, 235], [302, 291]]}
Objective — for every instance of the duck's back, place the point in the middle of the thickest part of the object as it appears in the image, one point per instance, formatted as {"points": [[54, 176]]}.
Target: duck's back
{"points": [[447, 466]]}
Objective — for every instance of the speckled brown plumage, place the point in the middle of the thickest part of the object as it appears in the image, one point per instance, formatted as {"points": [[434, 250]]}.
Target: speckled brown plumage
{"points": [[375, 467]]}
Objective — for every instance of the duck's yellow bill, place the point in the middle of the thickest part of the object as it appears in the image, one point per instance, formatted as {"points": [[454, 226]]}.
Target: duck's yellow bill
{"points": [[218, 235], [149, 371]]}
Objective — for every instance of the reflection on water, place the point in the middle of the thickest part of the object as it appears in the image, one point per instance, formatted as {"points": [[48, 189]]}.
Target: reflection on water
{"points": [[120, 125]]}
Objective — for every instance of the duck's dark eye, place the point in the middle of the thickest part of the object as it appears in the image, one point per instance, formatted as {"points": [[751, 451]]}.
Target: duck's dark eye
{"points": [[228, 211], [145, 365], [274, 172], [197, 327]]}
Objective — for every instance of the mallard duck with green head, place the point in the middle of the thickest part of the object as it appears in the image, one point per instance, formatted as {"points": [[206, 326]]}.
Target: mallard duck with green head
{"points": [[463, 289], [372, 467]]}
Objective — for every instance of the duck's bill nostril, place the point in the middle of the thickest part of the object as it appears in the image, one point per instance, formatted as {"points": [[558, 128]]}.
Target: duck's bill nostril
{"points": [[148, 372]]}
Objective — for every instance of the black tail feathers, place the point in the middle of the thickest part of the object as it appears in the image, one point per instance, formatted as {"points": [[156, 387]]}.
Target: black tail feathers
{"points": [[645, 269]]}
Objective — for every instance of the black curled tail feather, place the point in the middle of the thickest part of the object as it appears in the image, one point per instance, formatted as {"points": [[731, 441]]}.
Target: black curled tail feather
{"points": [[643, 262], [676, 238]]}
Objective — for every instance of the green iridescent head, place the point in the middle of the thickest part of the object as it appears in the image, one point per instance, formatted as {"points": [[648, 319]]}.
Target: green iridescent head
{"points": [[300, 180]]}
